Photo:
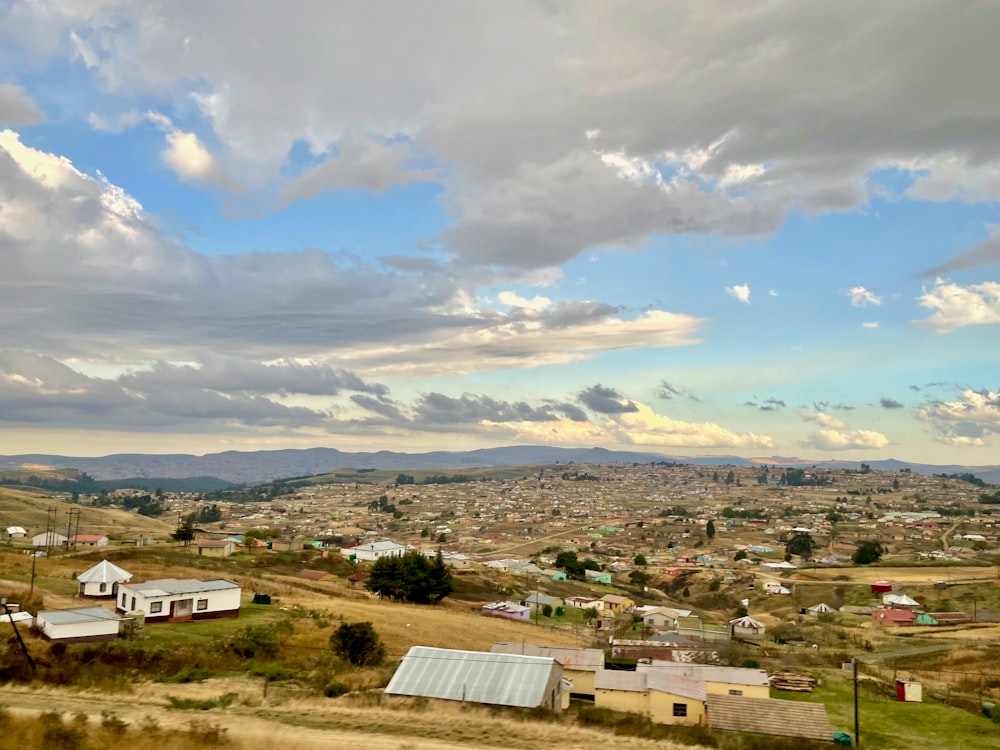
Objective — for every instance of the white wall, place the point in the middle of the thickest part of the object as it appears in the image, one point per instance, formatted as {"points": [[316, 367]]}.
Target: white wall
{"points": [[86, 629]]}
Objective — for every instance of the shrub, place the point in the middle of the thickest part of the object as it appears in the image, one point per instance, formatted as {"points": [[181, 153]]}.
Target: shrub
{"points": [[358, 643], [335, 689]]}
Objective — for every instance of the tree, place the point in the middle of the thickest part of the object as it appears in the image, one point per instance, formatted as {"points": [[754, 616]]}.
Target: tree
{"points": [[730, 477], [741, 555], [411, 577], [639, 559], [185, 530], [358, 643], [710, 529], [425, 532], [895, 484], [800, 544], [715, 476], [867, 553], [547, 610], [640, 578]]}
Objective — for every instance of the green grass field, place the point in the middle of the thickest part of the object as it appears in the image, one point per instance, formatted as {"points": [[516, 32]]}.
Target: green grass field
{"points": [[886, 723]]}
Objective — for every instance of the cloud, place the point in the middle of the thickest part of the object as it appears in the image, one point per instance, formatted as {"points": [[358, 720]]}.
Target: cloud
{"points": [[826, 405], [872, 324], [668, 391], [740, 292], [824, 420], [890, 403], [523, 183], [838, 440], [16, 107], [956, 306], [536, 303], [643, 426], [605, 400], [361, 163], [965, 422], [768, 404], [985, 253], [772, 293], [861, 297]]}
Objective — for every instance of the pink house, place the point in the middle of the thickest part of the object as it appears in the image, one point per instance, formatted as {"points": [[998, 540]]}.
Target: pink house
{"points": [[882, 618], [510, 610]]}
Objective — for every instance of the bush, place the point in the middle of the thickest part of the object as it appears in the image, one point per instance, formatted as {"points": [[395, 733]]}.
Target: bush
{"points": [[335, 689], [358, 643]]}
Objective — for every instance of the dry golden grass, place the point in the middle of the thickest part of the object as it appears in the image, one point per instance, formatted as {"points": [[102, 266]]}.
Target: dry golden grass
{"points": [[27, 509], [928, 574]]}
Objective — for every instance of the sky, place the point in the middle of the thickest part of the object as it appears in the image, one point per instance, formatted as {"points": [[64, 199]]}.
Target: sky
{"points": [[695, 228]]}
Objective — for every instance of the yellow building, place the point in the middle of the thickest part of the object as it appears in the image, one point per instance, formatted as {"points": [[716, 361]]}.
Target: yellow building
{"points": [[579, 664], [663, 698], [736, 681], [617, 604]]}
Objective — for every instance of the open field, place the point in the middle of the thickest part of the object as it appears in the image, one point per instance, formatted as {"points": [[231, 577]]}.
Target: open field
{"points": [[28, 509], [915, 574]]}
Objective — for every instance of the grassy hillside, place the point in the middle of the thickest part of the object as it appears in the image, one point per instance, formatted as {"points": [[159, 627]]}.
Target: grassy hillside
{"points": [[420, 476], [28, 509]]}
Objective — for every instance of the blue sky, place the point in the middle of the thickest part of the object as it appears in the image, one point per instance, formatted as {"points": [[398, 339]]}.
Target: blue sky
{"points": [[701, 229]]}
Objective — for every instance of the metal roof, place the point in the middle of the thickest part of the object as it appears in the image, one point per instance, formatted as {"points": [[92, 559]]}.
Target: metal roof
{"points": [[104, 572], [640, 682], [768, 716], [170, 586], [709, 672], [475, 676], [577, 659], [71, 616]]}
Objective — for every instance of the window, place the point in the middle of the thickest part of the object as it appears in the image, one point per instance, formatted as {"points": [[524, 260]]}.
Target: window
{"points": [[155, 607], [104, 587], [680, 709], [202, 605], [735, 692], [123, 601]]}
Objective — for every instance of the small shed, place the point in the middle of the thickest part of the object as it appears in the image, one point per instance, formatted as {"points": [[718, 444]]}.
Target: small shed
{"points": [[16, 532], [884, 587], [909, 691], [216, 547], [79, 625], [102, 580], [88, 540], [821, 609], [746, 627]]}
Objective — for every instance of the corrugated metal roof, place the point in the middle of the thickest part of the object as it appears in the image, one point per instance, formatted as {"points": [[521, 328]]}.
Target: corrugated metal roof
{"points": [[474, 676], [104, 572], [638, 682], [616, 679], [169, 586], [768, 716], [578, 659], [710, 672], [84, 614]]}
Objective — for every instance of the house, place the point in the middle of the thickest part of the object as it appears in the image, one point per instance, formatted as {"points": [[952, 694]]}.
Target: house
{"points": [[665, 699], [772, 587], [584, 602], [49, 539], [890, 617], [374, 551], [216, 547], [538, 601], [900, 601], [510, 610], [79, 625], [820, 609], [307, 574], [16, 532], [617, 604], [692, 627], [88, 540], [779, 718], [751, 683], [884, 587], [662, 618], [746, 627], [553, 574], [180, 600], [579, 664], [495, 679], [597, 576], [102, 579]]}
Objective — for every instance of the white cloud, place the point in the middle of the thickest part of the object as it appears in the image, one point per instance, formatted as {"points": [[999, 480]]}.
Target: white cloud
{"points": [[646, 427], [740, 292], [956, 306], [870, 324], [772, 293], [836, 440], [824, 420], [861, 297], [536, 303], [949, 177], [967, 421], [187, 156], [16, 107]]}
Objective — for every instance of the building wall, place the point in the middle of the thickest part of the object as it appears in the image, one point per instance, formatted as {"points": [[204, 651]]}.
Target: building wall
{"points": [[215, 551], [749, 691], [94, 630], [631, 701], [224, 603], [583, 681], [93, 588], [661, 708]]}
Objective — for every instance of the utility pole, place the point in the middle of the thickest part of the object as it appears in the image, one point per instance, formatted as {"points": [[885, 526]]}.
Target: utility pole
{"points": [[17, 633]]}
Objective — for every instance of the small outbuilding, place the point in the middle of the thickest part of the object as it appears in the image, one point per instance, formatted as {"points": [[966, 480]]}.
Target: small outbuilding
{"points": [[479, 677], [778, 718], [79, 625], [102, 580], [49, 539], [746, 627], [216, 547], [88, 540], [16, 532]]}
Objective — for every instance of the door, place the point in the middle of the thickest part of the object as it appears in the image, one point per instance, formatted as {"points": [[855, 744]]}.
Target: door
{"points": [[182, 609]]}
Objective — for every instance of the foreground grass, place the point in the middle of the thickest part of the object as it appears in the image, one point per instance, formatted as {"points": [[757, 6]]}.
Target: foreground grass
{"points": [[887, 723]]}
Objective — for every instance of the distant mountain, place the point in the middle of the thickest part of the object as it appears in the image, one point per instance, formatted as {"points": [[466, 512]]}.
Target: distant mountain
{"points": [[264, 466]]}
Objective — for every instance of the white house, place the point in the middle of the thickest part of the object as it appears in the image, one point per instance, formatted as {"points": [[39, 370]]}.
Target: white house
{"points": [[102, 579], [78, 625], [48, 539], [663, 618], [180, 600], [88, 540], [374, 551], [15, 532]]}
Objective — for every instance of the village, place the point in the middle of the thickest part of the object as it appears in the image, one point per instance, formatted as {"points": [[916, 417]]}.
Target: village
{"points": [[727, 598]]}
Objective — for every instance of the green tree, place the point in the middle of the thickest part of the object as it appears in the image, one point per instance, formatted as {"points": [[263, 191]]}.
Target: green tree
{"points": [[867, 553], [730, 477], [895, 484], [358, 643], [547, 610], [412, 577], [710, 529], [425, 532], [639, 559], [800, 544], [741, 555], [640, 578], [185, 530]]}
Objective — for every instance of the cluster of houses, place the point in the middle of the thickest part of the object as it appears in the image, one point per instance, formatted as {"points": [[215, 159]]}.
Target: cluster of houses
{"points": [[136, 603], [547, 677], [898, 608]]}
